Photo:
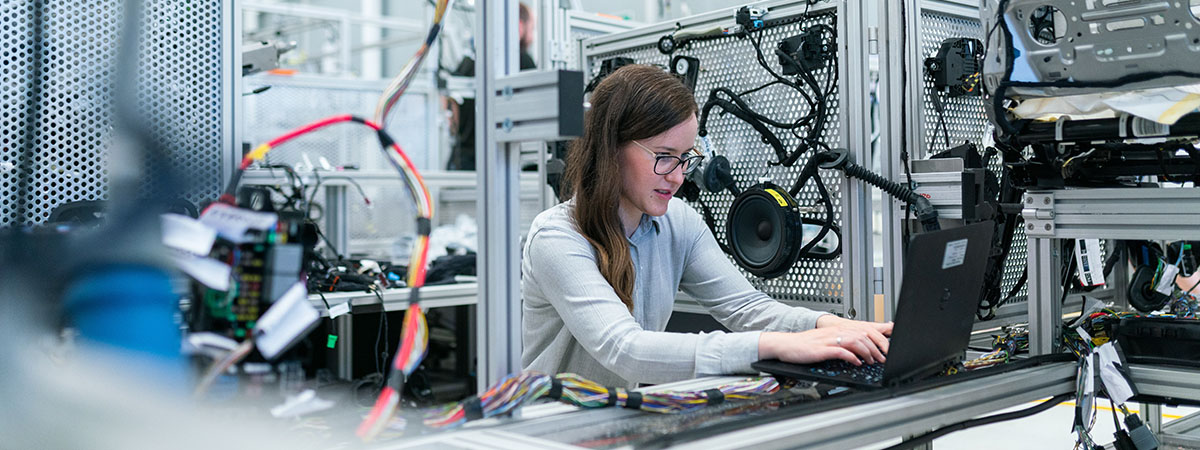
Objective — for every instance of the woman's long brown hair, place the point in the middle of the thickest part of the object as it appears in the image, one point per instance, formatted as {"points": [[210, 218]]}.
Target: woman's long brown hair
{"points": [[634, 102]]}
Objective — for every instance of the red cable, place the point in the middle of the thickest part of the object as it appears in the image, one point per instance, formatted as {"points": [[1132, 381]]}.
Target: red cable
{"points": [[376, 411], [410, 336], [305, 130]]}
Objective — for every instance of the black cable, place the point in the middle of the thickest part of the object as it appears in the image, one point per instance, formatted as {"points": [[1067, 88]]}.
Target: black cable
{"points": [[333, 248], [817, 101], [904, 156], [920, 205], [326, 302], [321, 180], [1189, 291], [1113, 409], [825, 227], [1070, 270], [1012, 293], [930, 436], [941, 113], [767, 136]]}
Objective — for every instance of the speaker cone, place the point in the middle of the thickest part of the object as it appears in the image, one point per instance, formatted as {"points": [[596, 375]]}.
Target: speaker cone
{"points": [[764, 230]]}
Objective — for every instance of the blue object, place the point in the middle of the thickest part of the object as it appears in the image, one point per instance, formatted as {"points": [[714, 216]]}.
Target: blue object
{"points": [[127, 307]]}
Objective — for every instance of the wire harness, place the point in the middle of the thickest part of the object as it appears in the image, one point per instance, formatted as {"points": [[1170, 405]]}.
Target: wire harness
{"points": [[518, 389], [415, 334], [395, 89]]}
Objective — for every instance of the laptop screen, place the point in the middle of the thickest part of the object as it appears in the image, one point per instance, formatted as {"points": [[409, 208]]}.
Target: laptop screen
{"points": [[943, 278]]}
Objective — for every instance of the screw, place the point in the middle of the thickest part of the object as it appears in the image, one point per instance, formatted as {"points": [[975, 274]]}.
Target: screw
{"points": [[1029, 200], [1030, 226], [508, 125], [508, 92], [1048, 227], [1046, 201]]}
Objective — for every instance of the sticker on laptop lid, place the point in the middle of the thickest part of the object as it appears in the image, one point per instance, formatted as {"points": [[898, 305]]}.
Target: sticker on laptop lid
{"points": [[956, 254]]}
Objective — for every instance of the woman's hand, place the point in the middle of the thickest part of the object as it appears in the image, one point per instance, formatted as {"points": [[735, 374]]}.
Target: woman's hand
{"points": [[852, 341]]}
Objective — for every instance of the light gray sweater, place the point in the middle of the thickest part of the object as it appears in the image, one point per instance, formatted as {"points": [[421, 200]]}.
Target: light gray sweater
{"points": [[574, 322]]}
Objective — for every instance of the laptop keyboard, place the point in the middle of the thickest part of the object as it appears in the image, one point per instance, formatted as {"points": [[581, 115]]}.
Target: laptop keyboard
{"points": [[866, 373]]}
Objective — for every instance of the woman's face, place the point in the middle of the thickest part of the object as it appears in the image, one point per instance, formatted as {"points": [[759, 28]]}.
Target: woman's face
{"points": [[644, 191]]}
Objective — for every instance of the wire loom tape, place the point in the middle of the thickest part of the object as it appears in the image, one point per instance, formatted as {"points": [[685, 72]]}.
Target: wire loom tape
{"points": [[556, 389], [714, 396], [473, 409], [634, 400]]}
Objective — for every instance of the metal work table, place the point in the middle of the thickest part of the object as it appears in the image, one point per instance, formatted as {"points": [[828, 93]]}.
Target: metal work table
{"points": [[847, 427], [555, 425]]}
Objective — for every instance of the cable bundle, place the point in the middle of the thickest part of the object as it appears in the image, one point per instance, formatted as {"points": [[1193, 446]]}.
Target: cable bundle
{"points": [[415, 340], [1003, 348], [518, 389], [396, 88]]}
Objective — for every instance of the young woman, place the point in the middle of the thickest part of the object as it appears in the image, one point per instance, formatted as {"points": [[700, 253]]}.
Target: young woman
{"points": [[600, 271]]}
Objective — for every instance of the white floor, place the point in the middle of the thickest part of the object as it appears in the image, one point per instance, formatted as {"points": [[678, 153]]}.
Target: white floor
{"points": [[1050, 429]]}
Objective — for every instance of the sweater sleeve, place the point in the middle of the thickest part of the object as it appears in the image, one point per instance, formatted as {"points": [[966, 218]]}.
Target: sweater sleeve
{"points": [[716, 284], [563, 265]]}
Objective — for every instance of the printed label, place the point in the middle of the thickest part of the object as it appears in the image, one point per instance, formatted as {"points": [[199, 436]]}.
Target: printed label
{"points": [[956, 254], [778, 198]]}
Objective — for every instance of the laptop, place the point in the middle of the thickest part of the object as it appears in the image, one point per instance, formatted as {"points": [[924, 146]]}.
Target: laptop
{"points": [[943, 278]]}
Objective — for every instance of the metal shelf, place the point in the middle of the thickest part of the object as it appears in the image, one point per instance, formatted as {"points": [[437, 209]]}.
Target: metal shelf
{"points": [[397, 299]]}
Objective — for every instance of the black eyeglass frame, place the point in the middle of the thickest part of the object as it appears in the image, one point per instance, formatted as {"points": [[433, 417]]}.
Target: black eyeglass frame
{"points": [[690, 163]]}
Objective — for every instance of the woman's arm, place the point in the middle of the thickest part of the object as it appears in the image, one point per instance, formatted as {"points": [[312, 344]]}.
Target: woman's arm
{"points": [[563, 267], [715, 283]]}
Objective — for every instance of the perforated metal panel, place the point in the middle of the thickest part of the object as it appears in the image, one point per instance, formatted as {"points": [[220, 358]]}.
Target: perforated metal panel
{"points": [[966, 121], [578, 35], [375, 228], [181, 95], [730, 62]]}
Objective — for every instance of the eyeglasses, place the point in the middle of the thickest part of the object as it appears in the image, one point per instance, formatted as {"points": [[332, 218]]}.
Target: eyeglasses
{"points": [[665, 164]]}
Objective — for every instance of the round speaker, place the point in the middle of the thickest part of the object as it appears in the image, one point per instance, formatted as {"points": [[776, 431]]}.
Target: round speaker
{"points": [[764, 230], [1142, 295]]}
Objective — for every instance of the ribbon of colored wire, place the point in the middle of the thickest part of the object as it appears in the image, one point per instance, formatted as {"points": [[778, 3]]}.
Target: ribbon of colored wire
{"points": [[521, 388], [395, 89]]}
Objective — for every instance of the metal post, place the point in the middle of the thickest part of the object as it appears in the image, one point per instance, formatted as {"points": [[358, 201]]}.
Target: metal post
{"points": [[896, 130], [336, 223], [1045, 289], [344, 50], [856, 201], [498, 206], [372, 58], [231, 66], [343, 356], [1151, 415]]}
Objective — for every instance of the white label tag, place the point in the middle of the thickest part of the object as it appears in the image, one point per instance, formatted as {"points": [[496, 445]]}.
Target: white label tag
{"points": [[1084, 334], [1119, 389], [1166, 284], [209, 272], [1089, 383], [1087, 259], [290, 318], [232, 222], [956, 254], [187, 234], [339, 309]]}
